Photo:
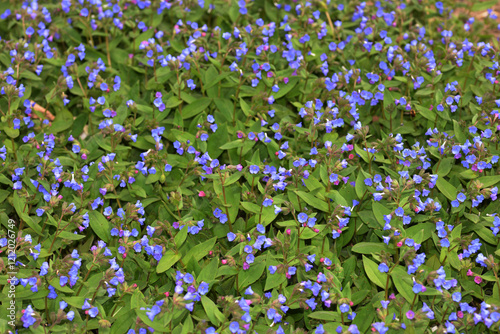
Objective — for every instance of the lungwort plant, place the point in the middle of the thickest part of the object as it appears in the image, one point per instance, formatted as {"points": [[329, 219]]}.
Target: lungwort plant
{"points": [[249, 166]]}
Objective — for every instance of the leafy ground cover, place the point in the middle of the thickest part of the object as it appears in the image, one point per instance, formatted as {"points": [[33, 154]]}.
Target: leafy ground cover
{"points": [[249, 167]]}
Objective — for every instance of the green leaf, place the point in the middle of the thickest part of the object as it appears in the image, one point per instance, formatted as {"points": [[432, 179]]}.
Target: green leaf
{"points": [[459, 134], [233, 144], [371, 269], [167, 261], [70, 236], [313, 201], [249, 276], [370, 247], [338, 199], [403, 283], [123, 323], [21, 208], [180, 237], [213, 313], [209, 272], [480, 6], [488, 181], [424, 92], [196, 107], [360, 186], [250, 207], [429, 114], [63, 121], [325, 315], [446, 188], [287, 87], [99, 225], [245, 107], [273, 281], [379, 211], [201, 250]]}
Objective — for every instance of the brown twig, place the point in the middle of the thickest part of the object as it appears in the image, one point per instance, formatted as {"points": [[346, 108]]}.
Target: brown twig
{"points": [[47, 114]]}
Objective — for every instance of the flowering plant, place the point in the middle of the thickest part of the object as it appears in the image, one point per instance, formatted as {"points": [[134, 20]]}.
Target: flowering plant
{"points": [[249, 166]]}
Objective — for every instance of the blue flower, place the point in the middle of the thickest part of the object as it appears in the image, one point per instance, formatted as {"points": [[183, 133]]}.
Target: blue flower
{"points": [[70, 315], [254, 169], [231, 236], [267, 202], [457, 297], [234, 326], [344, 308], [311, 303], [400, 212], [93, 312], [383, 268], [203, 288], [380, 327], [302, 217]]}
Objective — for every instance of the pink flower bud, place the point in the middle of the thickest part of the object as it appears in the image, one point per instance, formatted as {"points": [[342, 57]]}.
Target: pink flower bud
{"points": [[84, 156], [400, 244], [224, 261], [167, 294], [288, 231], [201, 194]]}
